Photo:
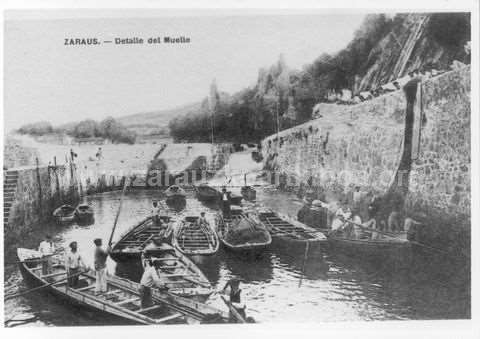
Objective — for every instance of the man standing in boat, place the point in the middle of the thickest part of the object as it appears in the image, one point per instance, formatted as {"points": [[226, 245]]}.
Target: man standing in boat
{"points": [[47, 249], [234, 291], [150, 278], [155, 213], [100, 262], [73, 264], [225, 203]]}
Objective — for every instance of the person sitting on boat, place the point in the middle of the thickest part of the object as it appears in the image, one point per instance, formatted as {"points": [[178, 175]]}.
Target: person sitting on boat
{"points": [[47, 249], [202, 220], [342, 214], [225, 203], [372, 223], [234, 292], [150, 278], [155, 212], [393, 223], [357, 230], [73, 264], [100, 260]]}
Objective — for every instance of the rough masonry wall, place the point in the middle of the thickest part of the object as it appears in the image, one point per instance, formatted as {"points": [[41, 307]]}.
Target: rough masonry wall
{"points": [[354, 145], [440, 177], [38, 193], [362, 145]]}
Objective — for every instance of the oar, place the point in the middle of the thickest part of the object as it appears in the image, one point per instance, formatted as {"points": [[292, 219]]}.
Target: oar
{"points": [[232, 309], [60, 250], [8, 297], [118, 212], [304, 261]]}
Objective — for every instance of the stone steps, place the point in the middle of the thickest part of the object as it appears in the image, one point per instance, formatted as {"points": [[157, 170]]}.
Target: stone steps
{"points": [[9, 188]]}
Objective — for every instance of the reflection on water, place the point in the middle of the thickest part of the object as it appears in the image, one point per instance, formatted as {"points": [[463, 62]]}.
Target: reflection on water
{"points": [[278, 286]]}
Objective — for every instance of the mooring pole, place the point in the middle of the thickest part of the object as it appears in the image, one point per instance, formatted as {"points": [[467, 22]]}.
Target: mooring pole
{"points": [[40, 209], [118, 212]]}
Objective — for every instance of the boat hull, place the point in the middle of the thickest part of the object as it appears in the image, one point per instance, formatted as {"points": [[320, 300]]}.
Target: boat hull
{"points": [[398, 253]]}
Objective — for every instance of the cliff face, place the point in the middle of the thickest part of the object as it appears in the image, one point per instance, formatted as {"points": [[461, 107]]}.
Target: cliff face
{"points": [[416, 41]]}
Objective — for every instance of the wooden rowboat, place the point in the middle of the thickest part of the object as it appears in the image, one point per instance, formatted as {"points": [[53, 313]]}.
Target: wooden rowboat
{"points": [[133, 242], [175, 193], [286, 231], [249, 193], [207, 193], [84, 214], [382, 247], [122, 299], [253, 237], [64, 214], [191, 238], [181, 275]]}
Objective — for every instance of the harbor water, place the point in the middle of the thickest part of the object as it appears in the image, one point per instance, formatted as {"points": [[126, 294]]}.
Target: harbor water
{"points": [[279, 286]]}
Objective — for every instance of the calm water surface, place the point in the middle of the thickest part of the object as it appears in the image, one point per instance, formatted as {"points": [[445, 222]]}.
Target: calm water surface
{"points": [[275, 288]]}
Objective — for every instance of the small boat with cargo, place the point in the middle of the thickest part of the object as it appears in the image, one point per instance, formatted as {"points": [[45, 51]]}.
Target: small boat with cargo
{"points": [[241, 232]]}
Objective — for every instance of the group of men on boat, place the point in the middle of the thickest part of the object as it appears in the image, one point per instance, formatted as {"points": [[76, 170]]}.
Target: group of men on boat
{"points": [[151, 277], [345, 217]]}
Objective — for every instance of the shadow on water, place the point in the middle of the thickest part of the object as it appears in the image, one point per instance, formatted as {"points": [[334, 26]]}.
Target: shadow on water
{"points": [[249, 268]]}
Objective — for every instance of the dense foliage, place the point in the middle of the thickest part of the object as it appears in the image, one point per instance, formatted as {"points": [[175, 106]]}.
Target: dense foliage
{"points": [[108, 128], [283, 97]]}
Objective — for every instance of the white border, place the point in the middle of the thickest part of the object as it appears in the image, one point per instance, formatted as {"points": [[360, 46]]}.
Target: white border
{"points": [[378, 329]]}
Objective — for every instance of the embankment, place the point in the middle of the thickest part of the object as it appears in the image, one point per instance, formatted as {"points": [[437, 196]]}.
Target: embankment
{"points": [[379, 146]]}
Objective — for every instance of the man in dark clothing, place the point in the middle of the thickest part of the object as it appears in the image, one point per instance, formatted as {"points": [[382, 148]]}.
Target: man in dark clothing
{"points": [[225, 203], [100, 267], [235, 299]]}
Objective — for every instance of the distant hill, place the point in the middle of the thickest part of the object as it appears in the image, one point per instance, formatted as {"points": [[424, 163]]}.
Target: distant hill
{"points": [[156, 121]]}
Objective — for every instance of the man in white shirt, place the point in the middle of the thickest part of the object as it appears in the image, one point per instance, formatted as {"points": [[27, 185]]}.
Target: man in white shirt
{"points": [[73, 264], [150, 278], [47, 249], [155, 212]]}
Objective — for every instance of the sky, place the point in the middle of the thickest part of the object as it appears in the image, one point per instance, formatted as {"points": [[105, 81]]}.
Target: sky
{"points": [[47, 80]]}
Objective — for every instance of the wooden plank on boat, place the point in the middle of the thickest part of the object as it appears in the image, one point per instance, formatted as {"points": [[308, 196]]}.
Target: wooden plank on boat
{"points": [[53, 275], [170, 317], [127, 301], [151, 308], [85, 288]]}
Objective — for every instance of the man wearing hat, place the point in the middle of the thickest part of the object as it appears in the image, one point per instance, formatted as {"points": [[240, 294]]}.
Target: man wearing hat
{"points": [[100, 260], [73, 264]]}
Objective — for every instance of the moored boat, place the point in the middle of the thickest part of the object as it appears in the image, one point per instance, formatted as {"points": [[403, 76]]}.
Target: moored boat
{"points": [[84, 214], [289, 232], [248, 193], [64, 214], [180, 274], [207, 193], [175, 194], [240, 232], [133, 242], [121, 300], [193, 238], [370, 245]]}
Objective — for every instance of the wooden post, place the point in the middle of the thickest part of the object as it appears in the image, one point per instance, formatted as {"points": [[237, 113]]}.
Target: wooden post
{"points": [[40, 207], [118, 212], [57, 181]]}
